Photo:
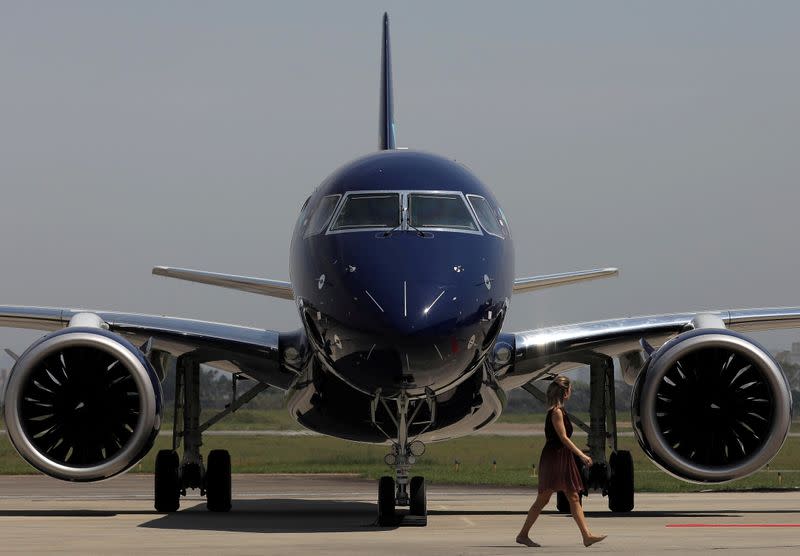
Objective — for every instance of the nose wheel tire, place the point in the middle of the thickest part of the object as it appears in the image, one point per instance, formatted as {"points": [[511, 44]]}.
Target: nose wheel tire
{"points": [[386, 515], [620, 485], [417, 500], [167, 482], [218, 481]]}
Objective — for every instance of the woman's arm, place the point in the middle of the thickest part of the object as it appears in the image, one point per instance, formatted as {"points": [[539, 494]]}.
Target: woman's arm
{"points": [[561, 431]]}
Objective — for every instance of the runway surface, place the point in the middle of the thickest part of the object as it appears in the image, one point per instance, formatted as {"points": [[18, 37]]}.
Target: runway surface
{"points": [[276, 514]]}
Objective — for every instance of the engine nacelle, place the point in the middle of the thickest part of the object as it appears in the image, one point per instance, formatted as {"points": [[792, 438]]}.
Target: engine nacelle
{"points": [[83, 404], [711, 406]]}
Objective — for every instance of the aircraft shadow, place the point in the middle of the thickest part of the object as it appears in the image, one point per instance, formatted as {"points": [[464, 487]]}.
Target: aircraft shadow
{"points": [[274, 516], [479, 512]]}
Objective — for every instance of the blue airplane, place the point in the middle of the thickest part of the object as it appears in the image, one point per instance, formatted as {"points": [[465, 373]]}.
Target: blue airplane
{"points": [[402, 270]]}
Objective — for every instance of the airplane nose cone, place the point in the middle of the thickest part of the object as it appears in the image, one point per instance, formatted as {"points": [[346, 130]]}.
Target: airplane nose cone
{"points": [[413, 308], [407, 335]]}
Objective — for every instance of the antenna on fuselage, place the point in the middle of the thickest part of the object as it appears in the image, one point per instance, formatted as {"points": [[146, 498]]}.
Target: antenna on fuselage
{"points": [[387, 131]]}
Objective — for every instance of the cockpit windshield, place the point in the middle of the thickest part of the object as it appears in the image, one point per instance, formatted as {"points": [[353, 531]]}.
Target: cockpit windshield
{"points": [[439, 211], [399, 211], [369, 210]]}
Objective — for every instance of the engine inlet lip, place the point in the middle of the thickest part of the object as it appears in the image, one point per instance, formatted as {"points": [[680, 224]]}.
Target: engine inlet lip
{"points": [[771, 372], [147, 420]]}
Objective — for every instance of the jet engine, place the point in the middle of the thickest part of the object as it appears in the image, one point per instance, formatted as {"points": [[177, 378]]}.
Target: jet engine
{"points": [[83, 404], [711, 406]]}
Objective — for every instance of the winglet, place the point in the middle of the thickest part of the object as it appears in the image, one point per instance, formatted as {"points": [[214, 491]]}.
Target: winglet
{"points": [[387, 131], [550, 280]]}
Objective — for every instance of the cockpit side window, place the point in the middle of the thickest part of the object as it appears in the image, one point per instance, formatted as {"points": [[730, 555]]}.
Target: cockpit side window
{"points": [[322, 214], [302, 218], [439, 211], [503, 221], [486, 215], [369, 210]]}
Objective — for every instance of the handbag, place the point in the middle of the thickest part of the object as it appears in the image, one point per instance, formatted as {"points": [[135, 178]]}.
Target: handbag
{"points": [[583, 469]]}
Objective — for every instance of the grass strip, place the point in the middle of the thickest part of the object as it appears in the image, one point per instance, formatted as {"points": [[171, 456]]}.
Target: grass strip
{"points": [[469, 460]]}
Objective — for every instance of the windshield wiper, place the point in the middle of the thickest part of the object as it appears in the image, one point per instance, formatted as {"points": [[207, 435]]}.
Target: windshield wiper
{"points": [[407, 220], [420, 233], [388, 233]]}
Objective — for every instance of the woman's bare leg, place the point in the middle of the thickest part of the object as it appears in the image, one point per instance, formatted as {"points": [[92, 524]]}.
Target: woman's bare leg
{"points": [[538, 505], [577, 514]]}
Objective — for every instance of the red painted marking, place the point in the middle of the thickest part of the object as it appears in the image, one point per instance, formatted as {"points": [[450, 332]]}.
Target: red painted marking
{"points": [[733, 525], [453, 345]]}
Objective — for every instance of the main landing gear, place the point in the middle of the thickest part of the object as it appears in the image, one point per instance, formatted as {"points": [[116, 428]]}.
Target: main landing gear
{"points": [[400, 490], [174, 475], [613, 476]]}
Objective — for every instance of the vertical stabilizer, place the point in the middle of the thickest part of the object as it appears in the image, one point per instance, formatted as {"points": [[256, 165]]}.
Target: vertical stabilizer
{"points": [[387, 139]]}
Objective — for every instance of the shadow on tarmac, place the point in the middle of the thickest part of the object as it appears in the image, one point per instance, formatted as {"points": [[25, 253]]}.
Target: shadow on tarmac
{"points": [[285, 515], [291, 515], [275, 516]]}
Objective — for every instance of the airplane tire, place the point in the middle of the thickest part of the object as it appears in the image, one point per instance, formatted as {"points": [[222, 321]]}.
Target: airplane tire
{"points": [[620, 485], [167, 482], [418, 504], [218, 481], [386, 495], [562, 504]]}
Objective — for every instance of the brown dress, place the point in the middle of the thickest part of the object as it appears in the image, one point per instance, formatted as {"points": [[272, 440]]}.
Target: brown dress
{"points": [[557, 467]]}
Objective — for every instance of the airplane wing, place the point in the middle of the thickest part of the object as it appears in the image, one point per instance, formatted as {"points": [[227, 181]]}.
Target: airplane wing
{"points": [[522, 285], [252, 351], [557, 349], [261, 286]]}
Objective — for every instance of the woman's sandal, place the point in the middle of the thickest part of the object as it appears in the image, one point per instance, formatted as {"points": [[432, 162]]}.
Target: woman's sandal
{"points": [[527, 541]]}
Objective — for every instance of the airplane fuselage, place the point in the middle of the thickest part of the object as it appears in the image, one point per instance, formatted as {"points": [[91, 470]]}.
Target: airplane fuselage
{"points": [[402, 268]]}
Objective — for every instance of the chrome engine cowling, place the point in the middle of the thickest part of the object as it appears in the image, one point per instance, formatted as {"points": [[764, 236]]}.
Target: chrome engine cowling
{"points": [[83, 404], [711, 406]]}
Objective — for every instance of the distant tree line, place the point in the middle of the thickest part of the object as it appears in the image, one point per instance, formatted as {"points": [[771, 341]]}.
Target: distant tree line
{"points": [[520, 401], [792, 371], [216, 391]]}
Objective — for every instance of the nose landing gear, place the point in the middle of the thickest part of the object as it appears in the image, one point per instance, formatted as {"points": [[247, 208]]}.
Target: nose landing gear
{"points": [[402, 491]]}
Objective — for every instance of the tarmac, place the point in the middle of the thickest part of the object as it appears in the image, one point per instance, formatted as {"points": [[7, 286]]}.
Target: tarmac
{"points": [[335, 514]]}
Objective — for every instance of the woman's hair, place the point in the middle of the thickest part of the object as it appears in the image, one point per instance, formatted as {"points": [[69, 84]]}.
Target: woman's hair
{"points": [[557, 390]]}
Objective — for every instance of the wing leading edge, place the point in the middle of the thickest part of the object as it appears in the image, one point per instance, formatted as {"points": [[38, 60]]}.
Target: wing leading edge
{"points": [[557, 349], [522, 285], [239, 349], [261, 286]]}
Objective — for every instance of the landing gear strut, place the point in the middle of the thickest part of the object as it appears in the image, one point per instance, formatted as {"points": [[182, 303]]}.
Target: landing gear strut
{"points": [[175, 475], [402, 491]]}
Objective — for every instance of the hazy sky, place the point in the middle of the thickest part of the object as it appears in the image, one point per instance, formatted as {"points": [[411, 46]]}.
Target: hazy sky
{"points": [[658, 137]]}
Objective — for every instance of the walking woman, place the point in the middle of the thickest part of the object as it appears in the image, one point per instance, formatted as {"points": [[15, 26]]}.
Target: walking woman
{"points": [[557, 468]]}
